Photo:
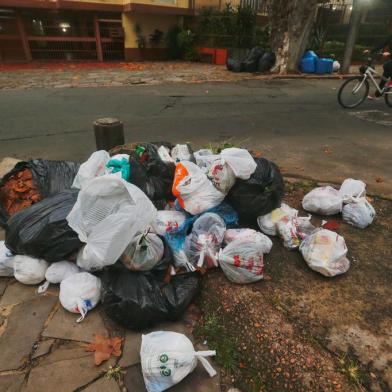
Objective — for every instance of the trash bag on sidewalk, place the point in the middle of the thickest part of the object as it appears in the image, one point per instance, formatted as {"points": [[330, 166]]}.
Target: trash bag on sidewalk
{"points": [[194, 191], [266, 62], [242, 261], [358, 212], [6, 261], [240, 161], [168, 357], [325, 252], [57, 272], [249, 64], [248, 235], [138, 300], [182, 152], [323, 200], [79, 293], [234, 65], [205, 240], [42, 230], [352, 188], [95, 166], [28, 270], [268, 222], [47, 177], [144, 252], [222, 176], [205, 158], [168, 221], [107, 215], [259, 195]]}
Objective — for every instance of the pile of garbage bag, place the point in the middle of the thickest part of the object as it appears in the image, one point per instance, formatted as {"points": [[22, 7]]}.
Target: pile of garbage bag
{"points": [[257, 60]]}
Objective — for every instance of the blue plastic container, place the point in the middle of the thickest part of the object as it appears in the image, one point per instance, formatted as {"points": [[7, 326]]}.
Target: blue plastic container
{"points": [[308, 65], [324, 66], [309, 55]]}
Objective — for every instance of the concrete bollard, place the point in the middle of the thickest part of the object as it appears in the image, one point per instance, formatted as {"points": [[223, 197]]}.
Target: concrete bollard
{"points": [[109, 133]]}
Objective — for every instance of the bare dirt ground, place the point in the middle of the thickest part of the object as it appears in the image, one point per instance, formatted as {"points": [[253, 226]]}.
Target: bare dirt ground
{"points": [[299, 331]]}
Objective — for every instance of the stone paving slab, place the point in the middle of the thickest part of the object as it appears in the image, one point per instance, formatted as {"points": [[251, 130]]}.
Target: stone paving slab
{"points": [[63, 325], [18, 293], [21, 329], [103, 385], [11, 382], [43, 348]]}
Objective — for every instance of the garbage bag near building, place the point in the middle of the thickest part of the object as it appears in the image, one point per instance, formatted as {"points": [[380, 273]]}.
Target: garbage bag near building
{"points": [[168, 357], [29, 270], [31, 181], [42, 230], [138, 300]]}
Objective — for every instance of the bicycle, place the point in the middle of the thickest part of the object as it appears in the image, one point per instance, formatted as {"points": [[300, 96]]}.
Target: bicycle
{"points": [[357, 87]]}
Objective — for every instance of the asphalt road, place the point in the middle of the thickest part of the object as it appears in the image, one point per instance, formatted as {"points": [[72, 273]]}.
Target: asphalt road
{"points": [[296, 123]]}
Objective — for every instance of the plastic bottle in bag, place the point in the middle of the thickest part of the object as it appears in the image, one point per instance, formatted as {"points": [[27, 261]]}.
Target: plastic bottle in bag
{"points": [[325, 252], [28, 270], [168, 357], [242, 261], [323, 200], [79, 293], [358, 212]]}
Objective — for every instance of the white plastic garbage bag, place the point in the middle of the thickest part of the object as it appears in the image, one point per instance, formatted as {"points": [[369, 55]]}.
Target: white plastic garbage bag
{"points": [[267, 223], [358, 212], [222, 176], [248, 234], [164, 154], [79, 293], [325, 252], [95, 166], [205, 158], [240, 161], [293, 229], [109, 212], [6, 261], [194, 191], [181, 152], [167, 221], [324, 201], [168, 357], [57, 272], [203, 243], [336, 66], [242, 261], [28, 270], [352, 188], [143, 253]]}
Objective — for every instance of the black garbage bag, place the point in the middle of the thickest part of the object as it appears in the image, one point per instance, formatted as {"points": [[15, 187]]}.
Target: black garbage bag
{"points": [[50, 177], [152, 175], [249, 65], [234, 65], [255, 54], [139, 300], [42, 230], [259, 195], [266, 62]]}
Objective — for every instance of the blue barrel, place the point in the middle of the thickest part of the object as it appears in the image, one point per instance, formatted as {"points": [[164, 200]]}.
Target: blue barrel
{"points": [[308, 65], [324, 66]]}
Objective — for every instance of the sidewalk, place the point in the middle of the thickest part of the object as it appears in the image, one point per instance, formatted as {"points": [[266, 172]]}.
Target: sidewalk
{"points": [[73, 75]]}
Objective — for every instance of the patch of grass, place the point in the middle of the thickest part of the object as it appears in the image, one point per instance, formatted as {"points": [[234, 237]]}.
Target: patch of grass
{"points": [[114, 373], [212, 329], [354, 372], [305, 185]]}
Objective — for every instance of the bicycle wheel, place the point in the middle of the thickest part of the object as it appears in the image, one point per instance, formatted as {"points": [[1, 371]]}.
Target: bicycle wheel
{"points": [[353, 92], [388, 97]]}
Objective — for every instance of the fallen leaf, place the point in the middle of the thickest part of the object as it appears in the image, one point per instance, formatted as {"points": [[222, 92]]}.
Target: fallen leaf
{"points": [[103, 347], [379, 179], [242, 365]]}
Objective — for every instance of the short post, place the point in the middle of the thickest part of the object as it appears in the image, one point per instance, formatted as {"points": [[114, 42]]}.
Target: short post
{"points": [[109, 133]]}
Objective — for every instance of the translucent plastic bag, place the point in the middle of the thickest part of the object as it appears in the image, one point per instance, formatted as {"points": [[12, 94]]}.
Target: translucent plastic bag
{"points": [[195, 192], [293, 229], [325, 252], [324, 201], [242, 261], [240, 161], [202, 245], [248, 234], [167, 221], [95, 166], [358, 212], [109, 212], [143, 253], [182, 152], [168, 357], [28, 270], [222, 176], [268, 222], [57, 272], [164, 154], [6, 261], [205, 158], [79, 293], [352, 188]]}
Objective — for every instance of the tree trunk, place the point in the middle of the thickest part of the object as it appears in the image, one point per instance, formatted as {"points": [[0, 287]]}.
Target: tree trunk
{"points": [[355, 22], [290, 23]]}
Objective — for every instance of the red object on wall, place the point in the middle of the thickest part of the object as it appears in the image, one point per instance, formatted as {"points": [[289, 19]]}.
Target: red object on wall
{"points": [[220, 56]]}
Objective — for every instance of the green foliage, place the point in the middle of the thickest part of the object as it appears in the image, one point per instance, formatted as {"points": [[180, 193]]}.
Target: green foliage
{"points": [[174, 50], [187, 43], [156, 37], [336, 49]]}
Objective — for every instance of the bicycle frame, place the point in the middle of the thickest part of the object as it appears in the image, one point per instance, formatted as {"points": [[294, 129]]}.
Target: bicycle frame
{"points": [[369, 74]]}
